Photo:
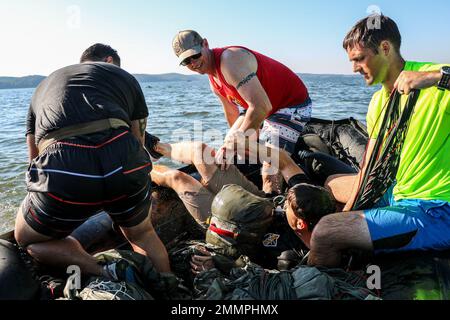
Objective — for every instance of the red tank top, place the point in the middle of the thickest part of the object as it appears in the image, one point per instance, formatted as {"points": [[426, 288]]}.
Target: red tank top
{"points": [[283, 87]]}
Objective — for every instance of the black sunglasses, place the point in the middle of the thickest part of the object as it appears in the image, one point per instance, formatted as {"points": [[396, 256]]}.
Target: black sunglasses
{"points": [[188, 61]]}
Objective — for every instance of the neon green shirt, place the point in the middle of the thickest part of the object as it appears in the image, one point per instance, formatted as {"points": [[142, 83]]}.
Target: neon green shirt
{"points": [[424, 171]]}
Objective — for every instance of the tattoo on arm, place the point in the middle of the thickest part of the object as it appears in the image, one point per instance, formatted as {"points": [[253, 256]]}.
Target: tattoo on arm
{"points": [[245, 51], [142, 126], [246, 80]]}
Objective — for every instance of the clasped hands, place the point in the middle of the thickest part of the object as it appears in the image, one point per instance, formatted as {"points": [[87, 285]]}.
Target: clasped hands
{"points": [[236, 143]]}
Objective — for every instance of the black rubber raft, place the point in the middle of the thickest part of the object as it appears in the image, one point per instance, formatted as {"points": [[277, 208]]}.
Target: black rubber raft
{"points": [[404, 277]]}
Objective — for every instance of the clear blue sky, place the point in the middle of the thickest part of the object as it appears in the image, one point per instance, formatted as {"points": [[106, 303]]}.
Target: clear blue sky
{"points": [[39, 37]]}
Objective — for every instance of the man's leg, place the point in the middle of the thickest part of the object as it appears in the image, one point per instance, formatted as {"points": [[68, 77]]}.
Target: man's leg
{"points": [[341, 186], [144, 240], [284, 163], [195, 197], [57, 253], [195, 153], [272, 179], [282, 131], [338, 232]]}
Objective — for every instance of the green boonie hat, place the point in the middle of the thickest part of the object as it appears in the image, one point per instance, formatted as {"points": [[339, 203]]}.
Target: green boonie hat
{"points": [[239, 221], [186, 44]]}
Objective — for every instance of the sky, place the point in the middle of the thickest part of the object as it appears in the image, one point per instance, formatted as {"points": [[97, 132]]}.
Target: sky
{"points": [[39, 37]]}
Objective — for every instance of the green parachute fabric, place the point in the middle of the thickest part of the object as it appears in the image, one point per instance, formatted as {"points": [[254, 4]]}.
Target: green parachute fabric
{"points": [[153, 286], [251, 282]]}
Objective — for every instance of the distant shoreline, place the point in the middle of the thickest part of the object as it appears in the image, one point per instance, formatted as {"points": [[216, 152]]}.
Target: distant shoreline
{"points": [[30, 82]]}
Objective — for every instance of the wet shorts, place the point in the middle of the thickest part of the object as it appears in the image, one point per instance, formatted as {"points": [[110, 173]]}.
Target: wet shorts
{"points": [[283, 129], [199, 203], [409, 225], [78, 178]]}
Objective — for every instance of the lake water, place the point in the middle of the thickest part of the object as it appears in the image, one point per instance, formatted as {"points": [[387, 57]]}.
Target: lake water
{"points": [[176, 108]]}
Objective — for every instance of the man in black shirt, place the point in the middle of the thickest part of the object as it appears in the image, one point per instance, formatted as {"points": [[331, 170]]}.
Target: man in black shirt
{"points": [[86, 134]]}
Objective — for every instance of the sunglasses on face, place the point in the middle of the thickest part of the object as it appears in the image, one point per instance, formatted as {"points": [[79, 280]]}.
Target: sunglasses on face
{"points": [[189, 60]]}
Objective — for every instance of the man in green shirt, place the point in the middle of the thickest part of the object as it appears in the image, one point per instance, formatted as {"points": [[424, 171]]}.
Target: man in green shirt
{"points": [[415, 214]]}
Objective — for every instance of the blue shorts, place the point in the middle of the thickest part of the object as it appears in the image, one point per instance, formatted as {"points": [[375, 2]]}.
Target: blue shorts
{"points": [[409, 225]]}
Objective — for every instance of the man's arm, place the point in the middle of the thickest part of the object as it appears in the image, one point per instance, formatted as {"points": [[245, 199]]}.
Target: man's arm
{"points": [[410, 80], [230, 110], [239, 68], [33, 151], [280, 159], [138, 128]]}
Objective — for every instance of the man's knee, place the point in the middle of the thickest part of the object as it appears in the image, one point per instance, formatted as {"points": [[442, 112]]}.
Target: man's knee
{"points": [[285, 160], [23, 234], [202, 153], [35, 250], [324, 231], [342, 231], [334, 230], [139, 232], [176, 178]]}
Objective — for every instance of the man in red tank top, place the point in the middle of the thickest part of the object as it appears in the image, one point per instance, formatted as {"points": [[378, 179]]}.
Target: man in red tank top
{"points": [[257, 92]]}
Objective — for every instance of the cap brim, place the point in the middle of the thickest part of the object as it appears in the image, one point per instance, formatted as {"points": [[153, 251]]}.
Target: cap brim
{"points": [[189, 53]]}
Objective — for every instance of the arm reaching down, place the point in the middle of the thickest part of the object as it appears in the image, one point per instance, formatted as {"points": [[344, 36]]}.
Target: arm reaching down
{"points": [[240, 68], [138, 128]]}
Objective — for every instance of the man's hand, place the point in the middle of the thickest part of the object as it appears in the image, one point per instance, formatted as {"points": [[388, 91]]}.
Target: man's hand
{"points": [[411, 80], [236, 143], [236, 140], [224, 158], [200, 263]]}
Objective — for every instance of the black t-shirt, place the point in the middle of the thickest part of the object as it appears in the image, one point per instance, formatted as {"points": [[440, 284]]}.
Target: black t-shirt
{"points": [[83, 93]]}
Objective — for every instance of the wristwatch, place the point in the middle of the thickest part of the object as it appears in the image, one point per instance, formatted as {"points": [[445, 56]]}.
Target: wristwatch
{"points": [[444, 83]]}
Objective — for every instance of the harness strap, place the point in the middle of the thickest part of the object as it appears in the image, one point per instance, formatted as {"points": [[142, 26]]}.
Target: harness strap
{"points": [[78, 130]]}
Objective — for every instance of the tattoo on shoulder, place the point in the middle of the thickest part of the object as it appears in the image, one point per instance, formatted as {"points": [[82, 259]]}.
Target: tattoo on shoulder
{"points": [[245, 51], [246, 80], [142, 126]]}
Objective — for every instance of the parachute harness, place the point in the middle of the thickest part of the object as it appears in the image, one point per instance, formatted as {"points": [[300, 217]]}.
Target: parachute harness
{"points": [[385, 160]]}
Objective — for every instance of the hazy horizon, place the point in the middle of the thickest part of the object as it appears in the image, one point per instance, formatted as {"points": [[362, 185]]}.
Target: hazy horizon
{"points": [[40, 37], [182, 74]]}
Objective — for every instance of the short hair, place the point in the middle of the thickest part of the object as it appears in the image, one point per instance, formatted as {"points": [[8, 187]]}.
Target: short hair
{"points": [[99, 52], [311, 203], [373, 30]]}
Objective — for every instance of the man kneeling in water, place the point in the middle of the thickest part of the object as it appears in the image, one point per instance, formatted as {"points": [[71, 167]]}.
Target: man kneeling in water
{"points": [[305, 206]]}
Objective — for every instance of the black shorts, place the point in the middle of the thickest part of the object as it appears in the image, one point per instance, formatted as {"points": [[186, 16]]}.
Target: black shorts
{"points": [[78, 178]]}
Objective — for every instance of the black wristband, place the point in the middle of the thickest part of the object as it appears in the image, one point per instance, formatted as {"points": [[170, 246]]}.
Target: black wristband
{"points": [[444, 83]]}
